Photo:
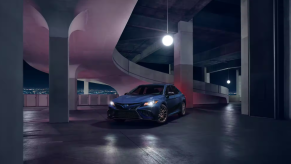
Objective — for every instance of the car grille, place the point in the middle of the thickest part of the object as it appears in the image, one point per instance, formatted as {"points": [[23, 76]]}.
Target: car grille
{"points": [[125, 114], [120, 106]]}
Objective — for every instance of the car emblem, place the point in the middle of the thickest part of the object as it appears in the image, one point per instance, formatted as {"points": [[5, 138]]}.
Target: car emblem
{"points": [[124, 106]]}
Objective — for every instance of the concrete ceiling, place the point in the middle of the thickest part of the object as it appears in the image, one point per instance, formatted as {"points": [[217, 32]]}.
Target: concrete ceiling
{"points": [[59, 5], [232, 64], [216, 23]]}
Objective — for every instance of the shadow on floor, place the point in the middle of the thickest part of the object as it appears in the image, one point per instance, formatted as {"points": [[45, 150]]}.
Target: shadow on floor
{"points": [[134, 124], [225, 108]]}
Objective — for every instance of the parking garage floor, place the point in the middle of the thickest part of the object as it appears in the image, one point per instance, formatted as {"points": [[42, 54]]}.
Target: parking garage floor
{"points": [[206, 135]]}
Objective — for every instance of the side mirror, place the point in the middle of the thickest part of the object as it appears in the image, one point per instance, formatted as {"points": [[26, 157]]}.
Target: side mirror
{"points": [[171, 93]]}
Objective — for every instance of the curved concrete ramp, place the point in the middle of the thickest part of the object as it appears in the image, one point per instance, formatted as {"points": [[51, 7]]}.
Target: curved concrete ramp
{"points": [[203, 93]]}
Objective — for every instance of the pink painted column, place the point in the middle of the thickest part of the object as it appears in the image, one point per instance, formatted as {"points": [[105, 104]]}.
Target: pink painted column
{"points": [[183, 60]]}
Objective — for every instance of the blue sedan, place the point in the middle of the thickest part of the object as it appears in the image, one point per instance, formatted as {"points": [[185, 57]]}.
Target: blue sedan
{"points": [[154, 102]]}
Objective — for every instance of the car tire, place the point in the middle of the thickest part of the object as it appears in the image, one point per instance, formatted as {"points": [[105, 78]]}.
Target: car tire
{"points": [[183, 109], [163, 114], [119, 120]]}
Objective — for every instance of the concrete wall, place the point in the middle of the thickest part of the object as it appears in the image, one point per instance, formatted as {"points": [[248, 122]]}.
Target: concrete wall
{"points": [[199, 98]]}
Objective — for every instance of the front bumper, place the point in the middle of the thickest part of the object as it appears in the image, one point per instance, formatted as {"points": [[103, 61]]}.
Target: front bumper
{"points": [[139, 113]]}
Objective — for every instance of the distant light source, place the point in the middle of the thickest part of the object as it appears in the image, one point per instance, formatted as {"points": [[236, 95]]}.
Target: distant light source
{"points": [[168, 40], [228, 81]]}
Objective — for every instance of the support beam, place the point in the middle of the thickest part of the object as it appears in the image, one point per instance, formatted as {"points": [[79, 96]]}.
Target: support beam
{"points": [[183, 61], [73, 96], [287, 59], [206, 75], [203, 20], [238, 83], [234, 64], [245, 57], [148, 51], [59, 23], [151, 23], [230, 51], [86, 87], [58, 80], [198, 6], [11, 70]]}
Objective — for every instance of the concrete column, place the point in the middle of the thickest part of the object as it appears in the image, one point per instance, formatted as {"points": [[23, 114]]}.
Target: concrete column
{"points": [[59, 23], [73, 96], [86, 87], [261, 80], [183, 60], [58, 80], [238, 84], [11, 81], [245, 56], [287, 61], [206, 75]]}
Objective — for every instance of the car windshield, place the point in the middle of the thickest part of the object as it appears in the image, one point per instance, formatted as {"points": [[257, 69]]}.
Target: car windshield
{"points": [[148, 90]]}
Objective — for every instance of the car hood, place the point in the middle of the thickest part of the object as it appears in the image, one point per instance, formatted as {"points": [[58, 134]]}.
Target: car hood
{"points": [[136, 98]]}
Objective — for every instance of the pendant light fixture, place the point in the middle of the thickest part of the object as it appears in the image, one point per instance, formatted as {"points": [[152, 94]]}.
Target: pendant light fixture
{"points": [[168, 39]]}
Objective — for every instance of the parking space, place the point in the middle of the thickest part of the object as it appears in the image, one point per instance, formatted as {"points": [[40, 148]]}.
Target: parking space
{"points": [[205, 135]]}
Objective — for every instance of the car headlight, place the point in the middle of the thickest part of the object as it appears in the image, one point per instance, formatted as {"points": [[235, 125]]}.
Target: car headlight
{"points": [[150, 103], [111, 103]]}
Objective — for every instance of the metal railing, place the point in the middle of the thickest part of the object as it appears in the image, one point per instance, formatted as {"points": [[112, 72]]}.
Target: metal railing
{"points": [[35, 100]]}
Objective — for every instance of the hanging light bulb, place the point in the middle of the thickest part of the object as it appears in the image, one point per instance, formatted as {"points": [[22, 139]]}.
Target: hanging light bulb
{"points": [[228, 81], [167, 39]]}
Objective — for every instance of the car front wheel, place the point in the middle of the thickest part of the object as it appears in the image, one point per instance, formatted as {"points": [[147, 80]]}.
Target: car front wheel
{"points": [[163, 114]]}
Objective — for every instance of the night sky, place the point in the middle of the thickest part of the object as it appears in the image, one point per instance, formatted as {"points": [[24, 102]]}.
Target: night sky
{"points": [[33, 78], [221, 77]]}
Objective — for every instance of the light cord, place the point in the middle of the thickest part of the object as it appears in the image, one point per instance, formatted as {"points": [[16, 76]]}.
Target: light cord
{"points": [[167, 16]]}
